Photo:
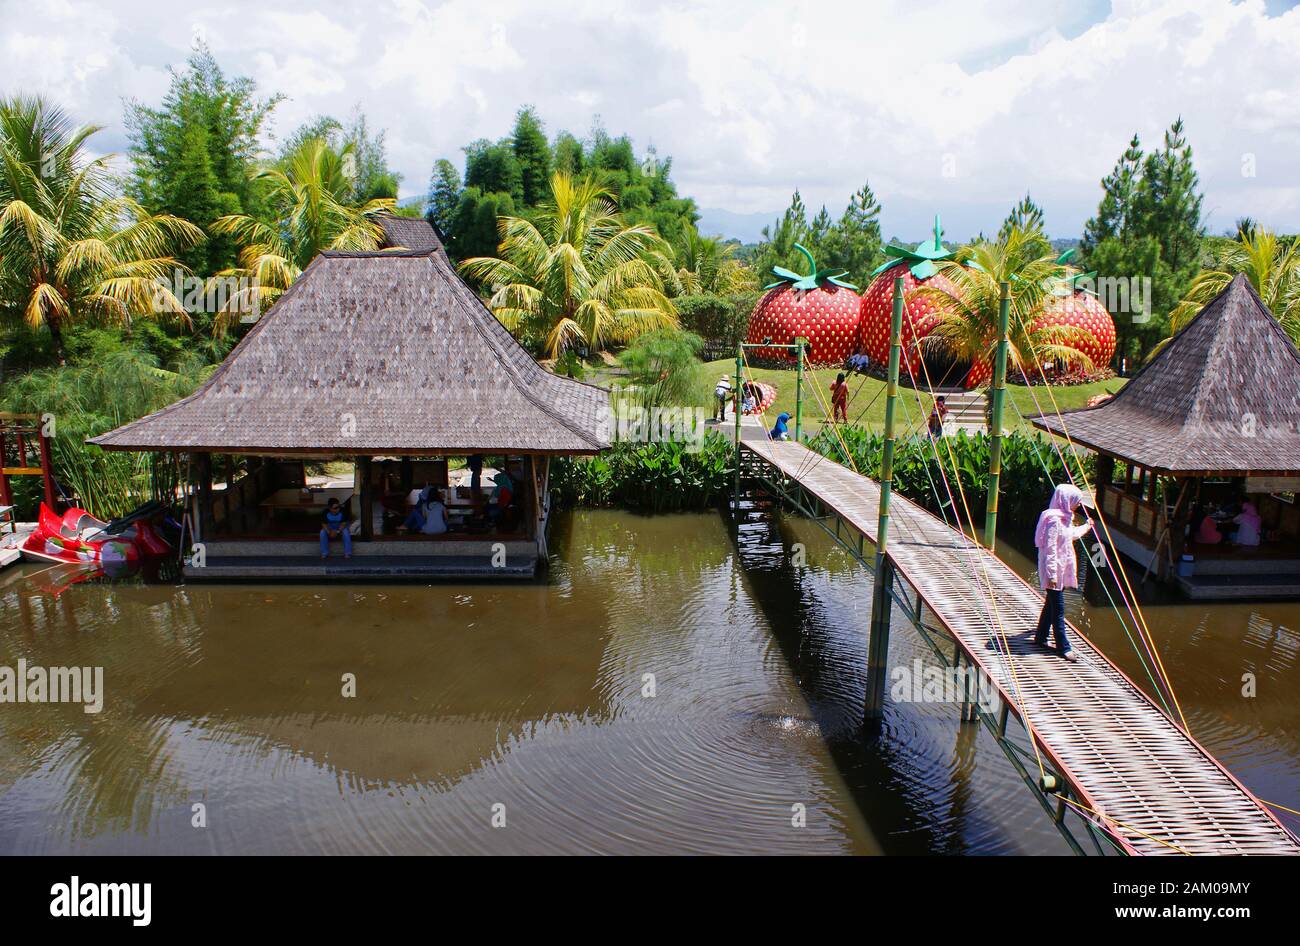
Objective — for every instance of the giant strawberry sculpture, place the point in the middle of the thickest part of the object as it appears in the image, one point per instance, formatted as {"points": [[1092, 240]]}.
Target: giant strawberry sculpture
{"points": [[1074, 304], [917, 267], [817, 306]]}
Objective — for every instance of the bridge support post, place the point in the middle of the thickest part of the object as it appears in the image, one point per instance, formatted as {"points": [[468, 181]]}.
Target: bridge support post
{"points": [[995, 421], [881, 599], [798, 389], [740, 406]]}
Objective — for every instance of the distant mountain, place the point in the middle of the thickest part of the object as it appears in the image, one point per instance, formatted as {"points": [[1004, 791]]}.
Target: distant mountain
{"points": [[747, 228]]}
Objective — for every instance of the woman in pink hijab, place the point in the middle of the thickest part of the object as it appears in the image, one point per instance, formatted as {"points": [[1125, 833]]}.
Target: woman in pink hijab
{"points": [[1058, 568]]}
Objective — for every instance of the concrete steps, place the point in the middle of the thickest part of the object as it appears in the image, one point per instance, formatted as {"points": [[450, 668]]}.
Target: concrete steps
{"points": [[966, 410]]}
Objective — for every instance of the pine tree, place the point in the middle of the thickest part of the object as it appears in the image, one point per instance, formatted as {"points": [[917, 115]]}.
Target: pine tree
{"points": [[444, 195], [1114, 215], [533, 155], [854, 243]]}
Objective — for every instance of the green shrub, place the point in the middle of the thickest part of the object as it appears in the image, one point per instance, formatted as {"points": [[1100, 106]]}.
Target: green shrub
{"points": [[649, 477], [963, 459]]}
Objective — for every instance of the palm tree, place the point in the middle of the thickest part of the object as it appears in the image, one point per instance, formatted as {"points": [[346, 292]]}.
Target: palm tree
{"points": [[310, 198], [709, 265], [1271, 264], [69, 249], [580, 276], [967, 329]]}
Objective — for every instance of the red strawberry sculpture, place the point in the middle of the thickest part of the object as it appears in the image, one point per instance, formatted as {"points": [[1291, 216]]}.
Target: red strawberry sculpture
{"points": [[818, 307], [1076, 305], [917, 268]]}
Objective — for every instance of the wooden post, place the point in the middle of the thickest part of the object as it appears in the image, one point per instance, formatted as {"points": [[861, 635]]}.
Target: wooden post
{"points": [[740, 403], [6, 496], [995, 435], [367, 499], [881, 602], [204, 525]]}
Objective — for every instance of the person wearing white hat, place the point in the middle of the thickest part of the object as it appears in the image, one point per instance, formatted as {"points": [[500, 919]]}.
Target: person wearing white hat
{"points": [[720, 395]]}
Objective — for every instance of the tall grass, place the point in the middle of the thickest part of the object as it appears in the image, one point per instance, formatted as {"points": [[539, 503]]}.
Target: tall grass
{"points": [[88, 399]]}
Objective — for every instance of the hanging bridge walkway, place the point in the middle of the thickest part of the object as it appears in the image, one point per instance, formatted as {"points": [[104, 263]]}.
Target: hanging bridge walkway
{"points": [[1128, 768]]}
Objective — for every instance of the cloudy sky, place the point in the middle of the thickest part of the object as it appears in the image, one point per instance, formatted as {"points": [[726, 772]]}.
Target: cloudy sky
{"points": [[950, 106]]}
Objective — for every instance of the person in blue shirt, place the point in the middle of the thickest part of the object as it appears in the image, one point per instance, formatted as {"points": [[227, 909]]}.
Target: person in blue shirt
{"points": [[335, 525], [781, 431]]}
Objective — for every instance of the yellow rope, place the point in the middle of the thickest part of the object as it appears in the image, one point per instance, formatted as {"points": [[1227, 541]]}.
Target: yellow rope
{"points": [[1081, 807], [995, 612], [1133, 605]]}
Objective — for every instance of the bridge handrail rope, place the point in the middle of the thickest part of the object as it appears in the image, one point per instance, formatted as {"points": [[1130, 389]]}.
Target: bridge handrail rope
{"points": [[1133, 605], [1143, 636], [1156, 687], [995, 614], [1097, 815]]}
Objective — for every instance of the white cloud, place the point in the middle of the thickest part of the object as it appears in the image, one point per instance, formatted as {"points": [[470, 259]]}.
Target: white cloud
{"points": [[750, 99]]}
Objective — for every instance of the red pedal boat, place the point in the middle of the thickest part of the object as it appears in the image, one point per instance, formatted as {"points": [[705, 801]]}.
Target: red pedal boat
{"points": [[78, 537]]}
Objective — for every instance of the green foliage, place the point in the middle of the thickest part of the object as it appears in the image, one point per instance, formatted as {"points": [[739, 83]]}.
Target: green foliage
{"points": [[444, 195], [1148, 225], [192, 157], [1028, 217], [721, 320], [474, 222], [851, 245], [311, 207], [494, 169], [650, 478], [1270, 263], [119, 385], [70, 251], [533, 155], [578, 276], [661, 367], [1031, 469]]}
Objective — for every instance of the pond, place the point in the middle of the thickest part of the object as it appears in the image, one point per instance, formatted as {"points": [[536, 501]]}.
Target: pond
{"points": [[670, 688]]}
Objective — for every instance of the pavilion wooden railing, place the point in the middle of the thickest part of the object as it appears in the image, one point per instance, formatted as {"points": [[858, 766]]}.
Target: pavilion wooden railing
{"points": [[1140, 517]]}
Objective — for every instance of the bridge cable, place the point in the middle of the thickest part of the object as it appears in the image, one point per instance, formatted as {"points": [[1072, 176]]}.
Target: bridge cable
{"points": [[1133, 605]]}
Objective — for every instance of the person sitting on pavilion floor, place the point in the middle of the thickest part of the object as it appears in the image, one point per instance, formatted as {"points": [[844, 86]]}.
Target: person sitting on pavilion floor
{"points": [[1205, 530], [335, 525], [501, 497], [1058, 568], [1248, 525], [414, 521]]}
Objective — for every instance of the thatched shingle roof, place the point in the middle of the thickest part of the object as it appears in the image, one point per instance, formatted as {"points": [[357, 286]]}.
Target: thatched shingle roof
{"points": [[385, 352], [1222, 397], [408, 233]]}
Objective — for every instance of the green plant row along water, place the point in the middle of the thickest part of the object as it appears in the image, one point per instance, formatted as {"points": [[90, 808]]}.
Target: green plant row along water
{"points": [[1031, 469], [669, 477], [648, 477]]}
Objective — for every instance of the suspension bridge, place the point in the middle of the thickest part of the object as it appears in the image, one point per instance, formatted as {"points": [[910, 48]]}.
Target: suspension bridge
{"points": [[1116, 772]]}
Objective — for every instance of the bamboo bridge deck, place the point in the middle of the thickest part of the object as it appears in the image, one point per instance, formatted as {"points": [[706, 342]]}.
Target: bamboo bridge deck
{"points": [[1160, 791]]}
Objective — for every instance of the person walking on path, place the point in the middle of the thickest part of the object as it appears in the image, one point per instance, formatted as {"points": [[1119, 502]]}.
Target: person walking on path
{"points": [[1058, 567]]}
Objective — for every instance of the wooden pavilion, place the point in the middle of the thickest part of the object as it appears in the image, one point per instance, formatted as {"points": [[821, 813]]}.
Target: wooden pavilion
{"points": [[1212, 420], [389, 361]]}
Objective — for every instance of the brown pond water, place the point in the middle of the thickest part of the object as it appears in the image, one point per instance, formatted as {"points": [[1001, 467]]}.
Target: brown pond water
{"points": [[532, 696]]}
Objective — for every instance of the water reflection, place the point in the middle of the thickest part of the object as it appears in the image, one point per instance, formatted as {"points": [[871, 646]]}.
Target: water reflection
{"points": [[531, 696]]}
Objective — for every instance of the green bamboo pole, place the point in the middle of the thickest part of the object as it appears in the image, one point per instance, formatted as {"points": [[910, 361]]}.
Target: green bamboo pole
{"points": [[738, 402], [798, 389], [999, 398], [881, 608]]}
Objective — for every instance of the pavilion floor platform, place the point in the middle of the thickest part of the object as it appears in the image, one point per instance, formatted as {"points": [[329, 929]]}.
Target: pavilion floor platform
{"points": [[380, 560]]}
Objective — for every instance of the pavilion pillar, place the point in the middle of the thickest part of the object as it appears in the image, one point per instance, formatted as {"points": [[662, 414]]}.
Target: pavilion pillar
{"points": [[367, 498], [6, 495], [204, 525]]}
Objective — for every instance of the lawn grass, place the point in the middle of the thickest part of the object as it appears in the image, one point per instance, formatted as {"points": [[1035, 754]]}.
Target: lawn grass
{"points": [[867, 400]]}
